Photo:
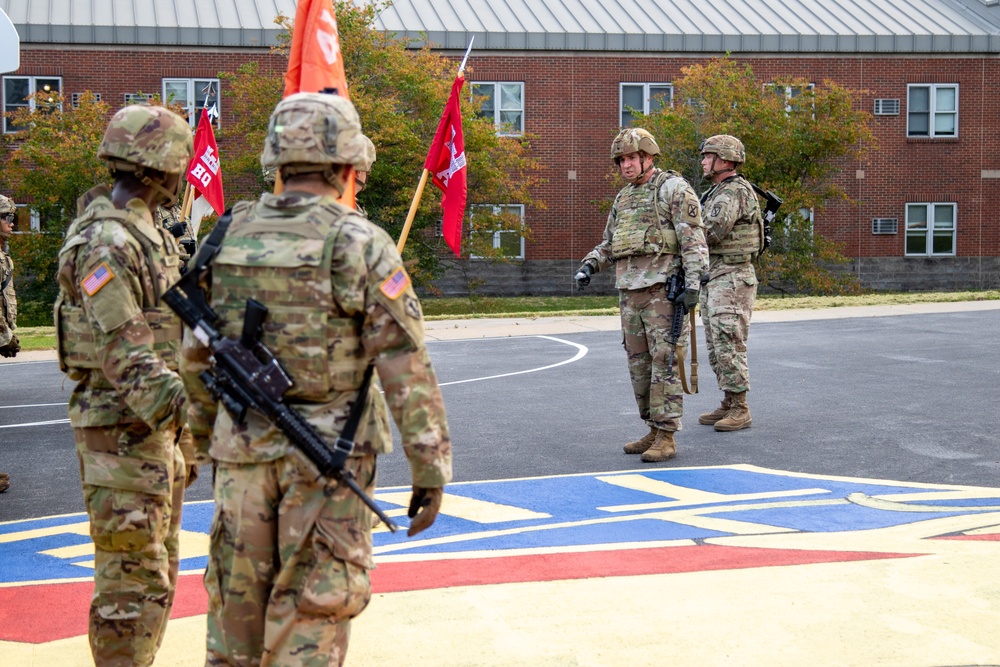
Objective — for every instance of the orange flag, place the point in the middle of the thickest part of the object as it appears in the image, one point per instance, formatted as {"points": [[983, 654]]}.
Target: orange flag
{"points": [[315, 64]]}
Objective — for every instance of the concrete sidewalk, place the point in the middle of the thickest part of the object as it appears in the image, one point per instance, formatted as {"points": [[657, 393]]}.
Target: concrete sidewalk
{"points": [[499, 327]]}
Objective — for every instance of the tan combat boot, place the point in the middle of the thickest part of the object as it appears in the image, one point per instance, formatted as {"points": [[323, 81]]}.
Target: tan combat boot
{"points": [[715, 415], [664, 448], [739, 414], [643, 443]]}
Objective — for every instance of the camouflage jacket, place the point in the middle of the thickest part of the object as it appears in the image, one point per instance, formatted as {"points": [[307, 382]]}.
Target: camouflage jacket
{"points": [[8, 299], [337, 297], [669, 205], [115, 336], [733, 224]]}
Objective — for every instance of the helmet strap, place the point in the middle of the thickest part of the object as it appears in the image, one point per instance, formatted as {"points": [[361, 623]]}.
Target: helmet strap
{"points": [[169, 198]]}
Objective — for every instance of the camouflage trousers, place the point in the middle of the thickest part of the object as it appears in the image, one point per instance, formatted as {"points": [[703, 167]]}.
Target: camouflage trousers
{"points": [[133, 486], [646, 317], [289, 563], [726, 307]]}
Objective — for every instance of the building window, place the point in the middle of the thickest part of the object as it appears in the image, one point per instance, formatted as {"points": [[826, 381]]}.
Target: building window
{"points": [[138, 98], [932, 110], [504, 103], [930, 229], [510, 243], [75, 98], [19, 92], [193, 95], [791, 92], [643, 98]]}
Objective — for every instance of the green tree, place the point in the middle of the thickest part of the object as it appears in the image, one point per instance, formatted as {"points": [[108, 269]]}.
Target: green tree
{"points": [[53, 160], [400, 94], [798, 137]]}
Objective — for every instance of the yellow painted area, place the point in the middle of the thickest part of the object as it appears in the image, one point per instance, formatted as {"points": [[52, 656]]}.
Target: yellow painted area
{"points": [[469, 509], [82, 528], [686, 496]]}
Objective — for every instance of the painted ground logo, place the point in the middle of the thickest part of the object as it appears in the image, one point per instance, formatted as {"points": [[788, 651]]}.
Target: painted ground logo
{"points": [[653, 521]]}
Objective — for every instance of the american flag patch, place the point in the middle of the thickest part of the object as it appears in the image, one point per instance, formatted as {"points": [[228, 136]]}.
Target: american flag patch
{"points": [[100, 277], [395, 284]]}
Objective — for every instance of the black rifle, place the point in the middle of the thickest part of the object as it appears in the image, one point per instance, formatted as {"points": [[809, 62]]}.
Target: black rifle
{"points": [[675, 288], [246, 375], [770, 212]]}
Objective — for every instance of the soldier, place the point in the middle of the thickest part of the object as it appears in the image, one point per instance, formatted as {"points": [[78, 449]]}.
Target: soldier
{"points": [[361, 170], [120, 344], [170, 219], [654, 229], [9, 345], [734, 229], [291, 550]]}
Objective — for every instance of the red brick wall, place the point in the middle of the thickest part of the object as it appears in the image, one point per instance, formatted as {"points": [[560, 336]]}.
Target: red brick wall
{"points": [[572, 101], [571, 106]]}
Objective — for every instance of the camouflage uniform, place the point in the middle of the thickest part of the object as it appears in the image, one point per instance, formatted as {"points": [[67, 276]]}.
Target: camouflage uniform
{"points": [[291, 550], [734, 231], [120, 344], [653, 229], [9, 345]]}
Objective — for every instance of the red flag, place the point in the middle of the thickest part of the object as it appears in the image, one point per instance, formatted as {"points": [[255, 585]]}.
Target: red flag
{"points": [[314, 63], [205, 173], [446, 163]]}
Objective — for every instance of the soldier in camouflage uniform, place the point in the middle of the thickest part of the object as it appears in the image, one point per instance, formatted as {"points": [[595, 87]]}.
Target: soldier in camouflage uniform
{"points": [[653, 230], [362, 169], [290, 549], [734, 229], [9, 345], [120, 344]]}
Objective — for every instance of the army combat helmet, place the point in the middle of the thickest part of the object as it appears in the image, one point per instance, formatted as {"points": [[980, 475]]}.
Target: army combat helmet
{"points": [[312, 132], [145, 140], [726, 147], [7, 205], [367, 159], [633, 140]]}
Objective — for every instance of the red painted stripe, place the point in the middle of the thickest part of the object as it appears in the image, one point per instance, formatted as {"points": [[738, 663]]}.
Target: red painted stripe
{"points": [[47, 612], [411, 576], [991, 537]]}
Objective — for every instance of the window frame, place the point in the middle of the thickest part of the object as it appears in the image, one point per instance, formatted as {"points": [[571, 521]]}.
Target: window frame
{"points": [[646, 97], [932, 112], [497, 108], [929, 229], [30, 101], [194, 111], [497, 235]]}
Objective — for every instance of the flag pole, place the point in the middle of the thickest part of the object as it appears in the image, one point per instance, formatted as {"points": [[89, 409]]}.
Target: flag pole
{"points": [[188, 200], [423, 177]]}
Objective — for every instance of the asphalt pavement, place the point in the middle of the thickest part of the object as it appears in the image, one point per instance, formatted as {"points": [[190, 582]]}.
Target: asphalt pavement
{"points": [[856, 523]]}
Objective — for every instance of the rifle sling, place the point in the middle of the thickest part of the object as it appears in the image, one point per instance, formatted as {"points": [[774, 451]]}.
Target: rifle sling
{"points": [[694, 360], [346, 438]]}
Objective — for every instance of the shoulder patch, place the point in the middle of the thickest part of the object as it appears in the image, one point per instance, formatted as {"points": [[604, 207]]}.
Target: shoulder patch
{"points": [[395, 284], [97, 279]]}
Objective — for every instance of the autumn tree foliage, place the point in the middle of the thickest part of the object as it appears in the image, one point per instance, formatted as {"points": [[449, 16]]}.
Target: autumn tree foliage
{"points": [[52, 160], [400, 94], [798, 136]]}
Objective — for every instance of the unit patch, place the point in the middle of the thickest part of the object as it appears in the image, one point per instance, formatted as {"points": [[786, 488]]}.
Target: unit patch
{"points": [[98, 278], [395, 284]]}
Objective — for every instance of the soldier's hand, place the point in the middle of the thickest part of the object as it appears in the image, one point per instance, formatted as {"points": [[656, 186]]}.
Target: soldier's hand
{"points": [[582, 276], [11, 349], [688, 298], [424, 506], [185, 441], [192, 474]]}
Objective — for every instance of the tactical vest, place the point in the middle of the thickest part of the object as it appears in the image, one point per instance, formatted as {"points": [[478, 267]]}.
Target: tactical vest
{"points": [[7, 296], [746, 240], [638, 230], [285, 263], [75, 335]]}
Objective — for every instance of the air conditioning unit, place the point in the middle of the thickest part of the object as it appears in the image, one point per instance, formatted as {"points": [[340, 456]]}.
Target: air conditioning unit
{"points": [[885, 225], [886, 107]]}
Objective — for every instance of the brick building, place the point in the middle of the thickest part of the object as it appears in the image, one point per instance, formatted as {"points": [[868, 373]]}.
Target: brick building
{"points": [[925, 209]]}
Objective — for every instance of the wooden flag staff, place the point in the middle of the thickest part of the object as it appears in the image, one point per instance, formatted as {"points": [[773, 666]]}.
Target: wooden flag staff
{"points": [[423, 177]]}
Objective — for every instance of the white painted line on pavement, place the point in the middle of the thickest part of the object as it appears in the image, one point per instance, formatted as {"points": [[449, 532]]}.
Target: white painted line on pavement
{"points": [[580, 354]]}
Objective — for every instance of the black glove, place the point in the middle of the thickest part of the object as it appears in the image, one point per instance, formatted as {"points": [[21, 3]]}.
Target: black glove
{"points": [[688, 298], [582, 276], [424, 506], [11, 349]]}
